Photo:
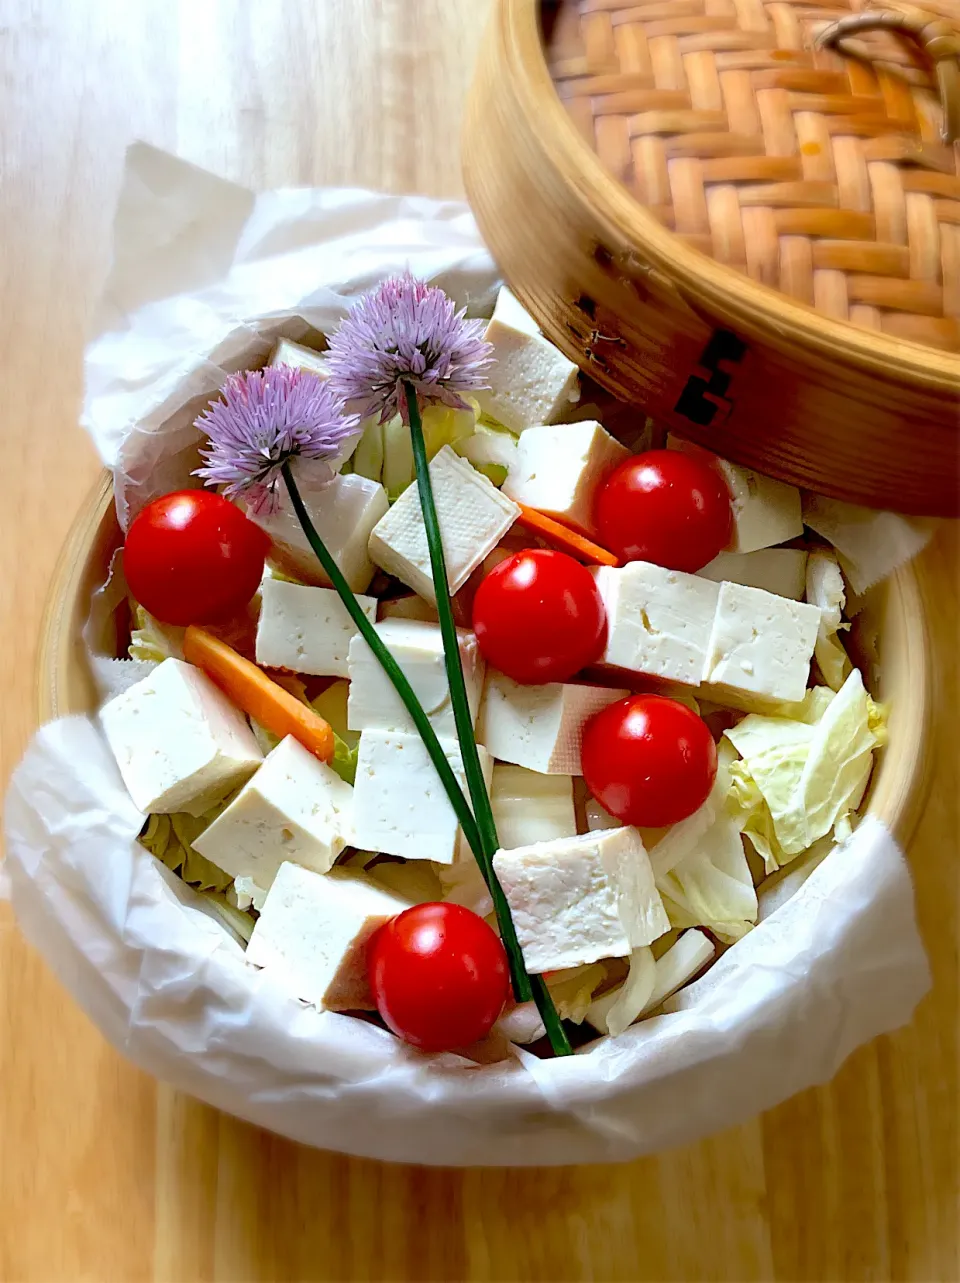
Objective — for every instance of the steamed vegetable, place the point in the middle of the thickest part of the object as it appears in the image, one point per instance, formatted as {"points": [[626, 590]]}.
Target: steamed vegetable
{"points": [[825, 589], [565, 539], [193, 557], [258, 695], [797, 779]]}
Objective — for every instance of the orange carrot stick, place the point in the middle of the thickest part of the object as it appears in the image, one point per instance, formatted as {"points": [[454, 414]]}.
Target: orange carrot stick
{"points": [[257, 694], [576, 545]]}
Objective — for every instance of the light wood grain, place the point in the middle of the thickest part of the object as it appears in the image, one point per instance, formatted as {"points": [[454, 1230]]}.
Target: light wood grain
{"points": [[108, 1178]]}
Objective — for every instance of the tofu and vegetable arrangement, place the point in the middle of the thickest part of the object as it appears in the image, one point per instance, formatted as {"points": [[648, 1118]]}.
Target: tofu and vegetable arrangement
{"points": [[634, 672]]}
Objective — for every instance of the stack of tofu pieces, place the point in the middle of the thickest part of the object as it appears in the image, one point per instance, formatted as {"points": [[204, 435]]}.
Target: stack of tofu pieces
{"points": [[737, 628]]}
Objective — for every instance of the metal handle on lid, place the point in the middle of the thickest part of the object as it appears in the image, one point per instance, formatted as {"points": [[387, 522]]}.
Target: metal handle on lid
{"points": [[936, 36]]}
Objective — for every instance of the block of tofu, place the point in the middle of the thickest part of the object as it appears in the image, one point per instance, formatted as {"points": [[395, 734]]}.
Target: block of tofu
{"points": [[672, 970], [344, 511], [531, 807], [539, 727], [306, 630], [765, 512], [658, 621], [299, 357], [582, 898], [761, 643], [179, 742], [778, 570], [417, 647], [400, 807], [295, 808], [510, 311], [473, 514], [313, 931], [532, 382], [559, 467], [309, 359]]}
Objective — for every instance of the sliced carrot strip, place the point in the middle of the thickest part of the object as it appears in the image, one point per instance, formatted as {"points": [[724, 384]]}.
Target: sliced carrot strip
{"points": [[257, 694], [576, 545]]}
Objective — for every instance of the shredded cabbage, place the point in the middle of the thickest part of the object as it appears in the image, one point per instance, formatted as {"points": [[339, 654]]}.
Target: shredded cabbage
{"points": [[385, 451], [572, 989], [616, 1011], [797, 780], [825, 589], [235, 920], [153, 641], [712, 887], [170, 838], [491, 450]]}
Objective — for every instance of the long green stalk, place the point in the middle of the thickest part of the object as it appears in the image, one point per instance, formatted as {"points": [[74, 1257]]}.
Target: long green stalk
{"points": [[469, 752], [390, 667]]}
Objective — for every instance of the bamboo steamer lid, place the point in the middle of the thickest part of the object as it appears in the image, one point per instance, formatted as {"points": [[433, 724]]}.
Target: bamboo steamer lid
{"points": [[744, 216]]}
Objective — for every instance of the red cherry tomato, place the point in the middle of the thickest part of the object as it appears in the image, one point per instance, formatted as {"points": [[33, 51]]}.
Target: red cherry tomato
{"points": [[192, 557], [649, 760], [666, 507], [538, 617], [438, 975]]}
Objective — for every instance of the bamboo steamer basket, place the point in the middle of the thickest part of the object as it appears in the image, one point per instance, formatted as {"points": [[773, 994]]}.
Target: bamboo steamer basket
{"points": [[754, 238], [894, 612]]}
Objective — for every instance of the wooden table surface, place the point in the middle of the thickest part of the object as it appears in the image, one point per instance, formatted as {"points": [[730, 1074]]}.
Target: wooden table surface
{"points": [[104, 1176]]}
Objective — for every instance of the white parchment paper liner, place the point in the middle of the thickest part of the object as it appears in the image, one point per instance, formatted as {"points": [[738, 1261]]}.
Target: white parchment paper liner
{"points": [[205, 277]]}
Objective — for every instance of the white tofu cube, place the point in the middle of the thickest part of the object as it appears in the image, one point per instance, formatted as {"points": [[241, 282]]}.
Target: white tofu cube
{"points": [[299, 357], [559, 468], [761, 643], [765, 512], [400, 807], [532, 382], [295, 808], [473, 515], [313, 931], [306, 630], [510, 311], [658, 621], [782, 571], [309, 359], [539, 727], [531, 807], [417, 647], [179, 742], [344, 512], [582, 898]]}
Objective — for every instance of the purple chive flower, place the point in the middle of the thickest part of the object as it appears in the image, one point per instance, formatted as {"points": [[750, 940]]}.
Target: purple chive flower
{"points": [[406, 331], [263, 419]]}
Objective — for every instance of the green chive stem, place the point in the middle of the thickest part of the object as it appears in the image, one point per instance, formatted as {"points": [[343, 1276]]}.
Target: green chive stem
{"points": [[390, 667], [470, 756]]}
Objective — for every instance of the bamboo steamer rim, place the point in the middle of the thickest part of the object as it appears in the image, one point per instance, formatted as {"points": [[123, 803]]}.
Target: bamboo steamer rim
{"points": [[744, 303], [900, 781]]}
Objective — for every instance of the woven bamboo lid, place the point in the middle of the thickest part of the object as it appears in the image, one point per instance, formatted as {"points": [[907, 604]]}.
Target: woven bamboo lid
{"points": [[821, 173]]}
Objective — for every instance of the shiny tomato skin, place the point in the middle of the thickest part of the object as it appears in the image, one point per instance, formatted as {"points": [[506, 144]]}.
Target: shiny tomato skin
{"points": [[649, 760], [539, 618], [192, 557], [439, 977], [666, 507]]}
